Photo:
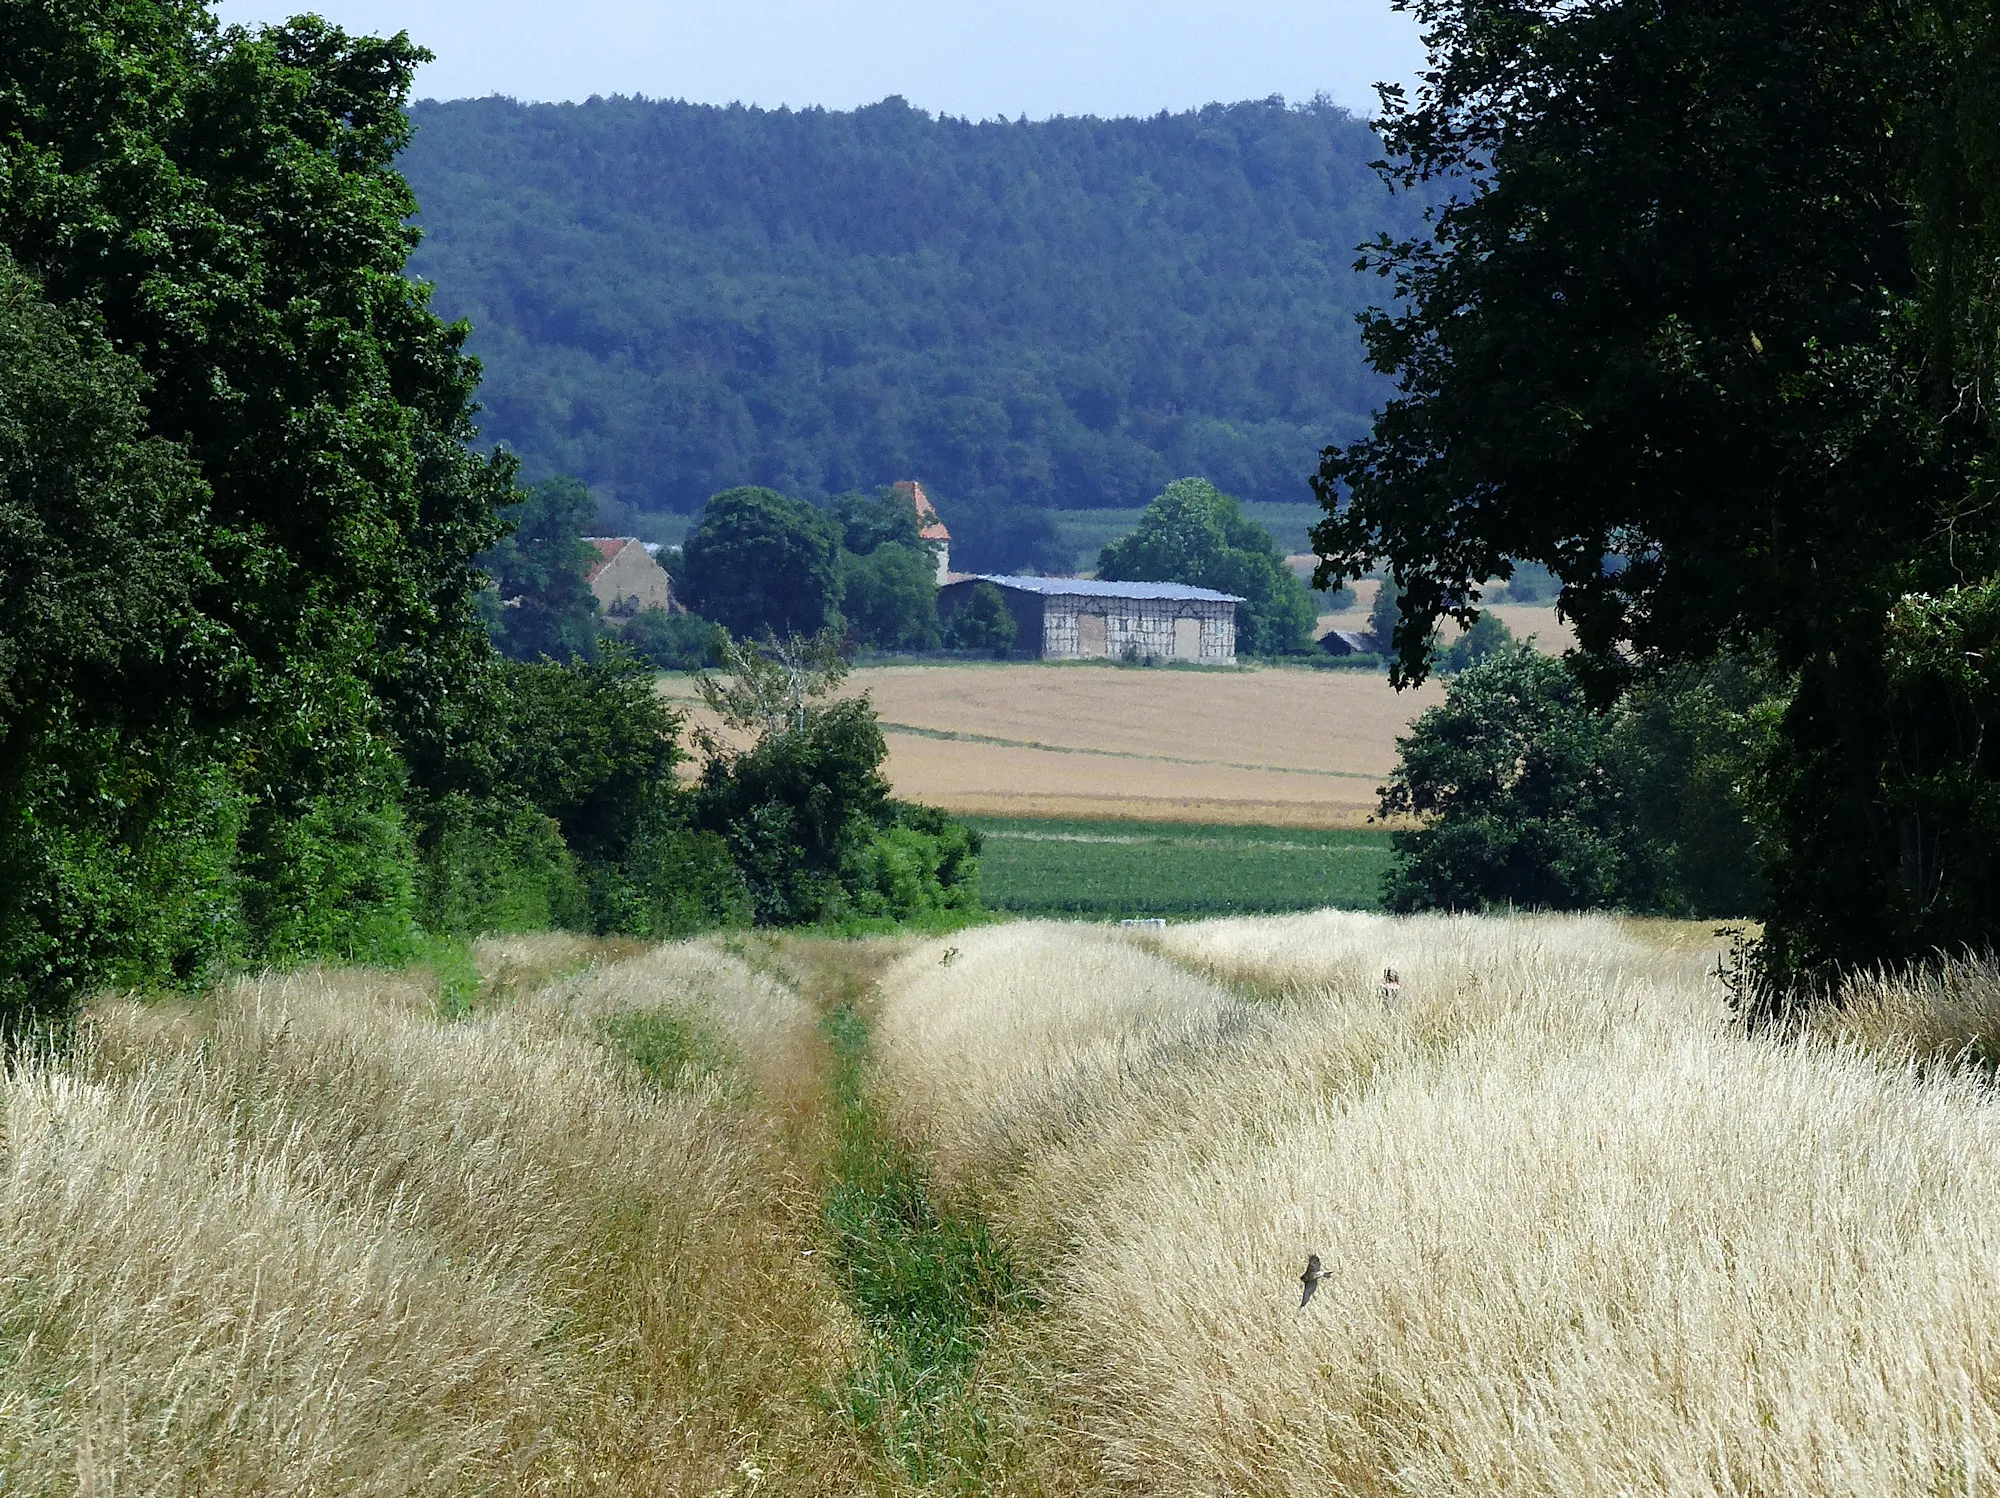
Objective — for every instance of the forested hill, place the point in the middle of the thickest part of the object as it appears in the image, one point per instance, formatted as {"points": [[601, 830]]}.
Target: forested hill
{"points": [[673, 298]]}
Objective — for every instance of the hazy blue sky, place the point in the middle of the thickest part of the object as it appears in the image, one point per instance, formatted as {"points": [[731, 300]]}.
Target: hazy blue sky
{"points": [[1033, 57]]}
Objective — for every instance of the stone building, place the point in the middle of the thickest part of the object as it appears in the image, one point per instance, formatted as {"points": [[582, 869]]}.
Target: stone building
{"points": [[1075, 618], [932, 525], [626, 578]]}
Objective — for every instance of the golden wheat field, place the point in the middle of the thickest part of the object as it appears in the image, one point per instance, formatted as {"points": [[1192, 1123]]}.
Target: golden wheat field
{"points": [[1270, 747], [1019, 1210]]}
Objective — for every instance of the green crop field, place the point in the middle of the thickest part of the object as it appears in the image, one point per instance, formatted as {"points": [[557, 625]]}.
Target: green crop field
{"points": [[1169, 869]]}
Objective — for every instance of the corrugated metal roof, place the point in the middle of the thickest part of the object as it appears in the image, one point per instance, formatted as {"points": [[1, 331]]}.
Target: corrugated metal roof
{"points": [[1090, 587]]}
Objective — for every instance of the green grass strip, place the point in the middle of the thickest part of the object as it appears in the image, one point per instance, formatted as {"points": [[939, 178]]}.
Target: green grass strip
{"points": [[927, 1284]]}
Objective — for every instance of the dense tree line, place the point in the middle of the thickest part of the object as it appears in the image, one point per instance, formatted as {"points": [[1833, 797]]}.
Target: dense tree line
{"points": [[248, 709], [1705, 323], [671, 299]]}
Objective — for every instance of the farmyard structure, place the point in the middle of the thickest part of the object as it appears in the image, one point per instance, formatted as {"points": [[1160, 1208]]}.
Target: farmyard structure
{"points": [[1075, 618]]}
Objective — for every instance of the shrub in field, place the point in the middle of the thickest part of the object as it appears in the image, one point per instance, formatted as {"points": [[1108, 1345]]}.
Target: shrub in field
{"points": [[335, 877], [493, 865], [1512, 780], [804, 809], [1528, 796], [673, 642], [924, 863]]}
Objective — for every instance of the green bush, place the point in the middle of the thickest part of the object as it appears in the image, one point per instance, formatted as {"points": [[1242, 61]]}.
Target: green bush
{"points": [[1487, 638], [889, 597], [796, 806], [117, 866], [674, 880], [1511, 777], [674, 642], [593, 748], [497, 865], [923, 863], [1528, 796], [804, 811], [334, 879], [982, 622]]}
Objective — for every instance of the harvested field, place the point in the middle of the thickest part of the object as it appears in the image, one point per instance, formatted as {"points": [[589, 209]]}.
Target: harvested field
{"points": [[1522, 620], [1279, 747]]}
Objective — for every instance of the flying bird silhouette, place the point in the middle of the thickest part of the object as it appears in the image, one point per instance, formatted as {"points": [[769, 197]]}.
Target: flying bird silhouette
{"points": [[1310, 1279]]}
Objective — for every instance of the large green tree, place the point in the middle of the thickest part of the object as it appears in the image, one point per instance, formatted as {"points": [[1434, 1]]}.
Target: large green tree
{"points": [[1696, 326], [213, 219], [225, 201], [758, 561], [1194, 533]]}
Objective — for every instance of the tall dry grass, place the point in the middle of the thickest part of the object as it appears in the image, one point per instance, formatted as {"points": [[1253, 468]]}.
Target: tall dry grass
{"points": [[305, 1237], [1583, 1235]]}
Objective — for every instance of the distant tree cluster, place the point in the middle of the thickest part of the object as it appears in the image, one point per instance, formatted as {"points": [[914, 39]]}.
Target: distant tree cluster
{"points": [[671, 299], [1194, 533], [1523, 794]]}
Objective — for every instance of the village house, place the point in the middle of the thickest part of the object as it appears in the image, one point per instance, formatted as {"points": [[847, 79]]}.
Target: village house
{"points": [[1075, 618], [626, 577], [932, 525]]}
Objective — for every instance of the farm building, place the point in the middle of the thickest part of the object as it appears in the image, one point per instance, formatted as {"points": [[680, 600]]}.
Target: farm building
{"points": [[932, 525], [626, 578], [1075, 618], [1348, 642]]}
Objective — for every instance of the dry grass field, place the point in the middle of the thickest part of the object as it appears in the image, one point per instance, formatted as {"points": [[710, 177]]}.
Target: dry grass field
{"points": [[306, 1237], [1524, 621], [1018, 1211], [1582, 1236], [1273, 747]]}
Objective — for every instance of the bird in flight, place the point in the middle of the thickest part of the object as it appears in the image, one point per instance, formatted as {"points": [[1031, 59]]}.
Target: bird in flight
{"points": [[1310, 1279]]}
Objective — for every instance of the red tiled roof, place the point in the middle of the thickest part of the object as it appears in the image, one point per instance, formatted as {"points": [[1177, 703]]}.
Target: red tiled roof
{"points": [[927, 515], [606, 547]]}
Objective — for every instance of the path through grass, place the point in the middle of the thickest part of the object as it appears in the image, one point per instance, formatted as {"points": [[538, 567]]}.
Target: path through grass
{"points": [[928, 1282]]}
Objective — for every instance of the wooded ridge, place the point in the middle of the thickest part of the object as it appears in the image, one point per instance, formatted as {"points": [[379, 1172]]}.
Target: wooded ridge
{"points": [[670, 299]]}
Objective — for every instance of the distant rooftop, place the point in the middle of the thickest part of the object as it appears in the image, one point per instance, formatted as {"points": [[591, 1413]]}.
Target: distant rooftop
{"points": [[1090, 587], [607, 549], [927, 515]]}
